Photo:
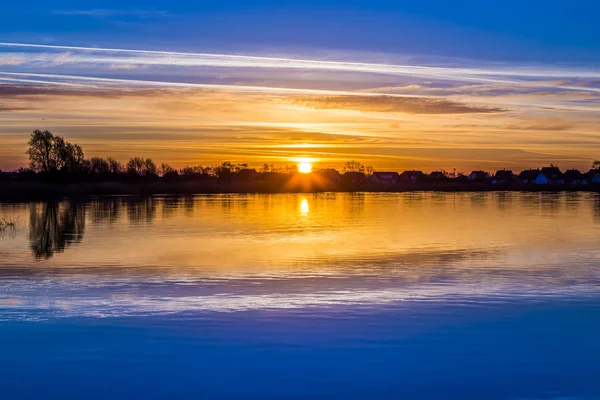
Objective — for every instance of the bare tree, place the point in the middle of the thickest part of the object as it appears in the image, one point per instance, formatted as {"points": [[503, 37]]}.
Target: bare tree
{"points": [[353, 166], [165, 169], [98, 165], [114, 167], [141, 166]]}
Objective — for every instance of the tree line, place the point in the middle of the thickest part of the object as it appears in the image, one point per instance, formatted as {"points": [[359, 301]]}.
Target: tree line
{"points": [[52, 155]]}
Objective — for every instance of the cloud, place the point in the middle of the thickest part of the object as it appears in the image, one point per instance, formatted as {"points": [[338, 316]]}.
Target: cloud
{"points": [[9, 91], [214, 106], [123, 66], [90, 81], [344, 100], [409, 105], [4, 108], [482, 73], [12, 60], [543, 125]]}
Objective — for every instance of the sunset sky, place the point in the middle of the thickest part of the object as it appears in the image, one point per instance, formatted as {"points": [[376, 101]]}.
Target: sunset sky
{"points": [[395, 84]]}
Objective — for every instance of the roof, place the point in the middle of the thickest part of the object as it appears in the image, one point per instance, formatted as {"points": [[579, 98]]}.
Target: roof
{"points": [[378, 174], [479, 174], [354, 176], [437, 174], [327, 171], [412, 173], [529, 174], [551, 172], [355, 173], [572, 175], [504, 174]]}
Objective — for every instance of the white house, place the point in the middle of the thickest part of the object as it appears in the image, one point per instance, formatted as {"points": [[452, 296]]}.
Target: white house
{"points": [[478, 176], [594, 177], [549, 176], [541, 179]]}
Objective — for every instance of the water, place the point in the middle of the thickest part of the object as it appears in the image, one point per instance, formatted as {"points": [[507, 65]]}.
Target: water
{"points": [[416, 296]]}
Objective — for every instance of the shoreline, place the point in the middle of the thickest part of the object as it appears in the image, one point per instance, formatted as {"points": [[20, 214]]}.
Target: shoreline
{"points": [[28, 191]]}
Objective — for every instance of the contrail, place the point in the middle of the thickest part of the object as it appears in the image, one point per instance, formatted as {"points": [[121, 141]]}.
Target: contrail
{"points": [[206, 86], [46, 82], [232, 60], [110, 82]]}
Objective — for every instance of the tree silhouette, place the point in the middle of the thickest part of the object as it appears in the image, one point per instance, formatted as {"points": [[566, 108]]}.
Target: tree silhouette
{"points": [[353, 166], [114, 166], [41, 151], [141, 166], [48, 153], [97, 165], [165, 169]]}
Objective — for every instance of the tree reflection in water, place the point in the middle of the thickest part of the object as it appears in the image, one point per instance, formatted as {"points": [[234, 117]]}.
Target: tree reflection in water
{"points": [[141, 211], [55, 226]]}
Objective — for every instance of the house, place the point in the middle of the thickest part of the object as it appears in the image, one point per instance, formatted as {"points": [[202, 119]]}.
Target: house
{"points": [[461, 178], [478, 176], [353, 178], [593, 176], [411, 176], [385, 177], [329, 175], [438, 176], [549, 176], [503, 176], [574, 177], [528, 176]]}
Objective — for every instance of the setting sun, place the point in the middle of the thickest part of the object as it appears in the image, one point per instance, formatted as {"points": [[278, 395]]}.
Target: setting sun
{"points": [[305, 167]]}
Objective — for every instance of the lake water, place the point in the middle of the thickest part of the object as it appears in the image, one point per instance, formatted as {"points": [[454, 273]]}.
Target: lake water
{"points": [[366, 296]]}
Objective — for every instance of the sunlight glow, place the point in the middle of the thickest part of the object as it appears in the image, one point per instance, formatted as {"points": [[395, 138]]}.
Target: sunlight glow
{"points": [[305, 167]]}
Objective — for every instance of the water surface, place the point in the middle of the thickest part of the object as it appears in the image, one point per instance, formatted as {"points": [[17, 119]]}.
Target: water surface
{"points": [[415, 295]]}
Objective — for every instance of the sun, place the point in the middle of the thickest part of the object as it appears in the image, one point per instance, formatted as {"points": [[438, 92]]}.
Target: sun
{"points": [[305, 167]]}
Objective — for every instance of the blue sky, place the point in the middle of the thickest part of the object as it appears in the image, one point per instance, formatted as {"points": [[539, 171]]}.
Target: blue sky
{"points": [[551, 30]]}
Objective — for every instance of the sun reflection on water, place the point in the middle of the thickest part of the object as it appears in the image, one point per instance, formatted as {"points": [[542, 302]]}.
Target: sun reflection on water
{"points": [[304, 209]]}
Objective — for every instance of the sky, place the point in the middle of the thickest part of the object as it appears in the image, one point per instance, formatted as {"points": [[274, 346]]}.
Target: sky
{"points": [[394, 84]]}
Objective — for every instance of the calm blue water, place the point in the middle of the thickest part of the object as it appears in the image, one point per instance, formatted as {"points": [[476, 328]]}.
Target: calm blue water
{"points": [[413, 296]]}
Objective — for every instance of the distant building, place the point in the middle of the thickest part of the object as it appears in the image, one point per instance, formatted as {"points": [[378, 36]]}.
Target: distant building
{"points": [[593, 176], [549, 176], [411, 176], [353, 178], [528, 176], [574, 177], [461, 178], [385, 177], [329, 175], [438, 176], [478, 176], [503, 176]]}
